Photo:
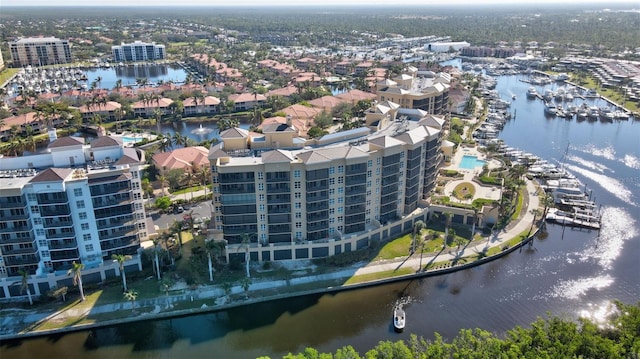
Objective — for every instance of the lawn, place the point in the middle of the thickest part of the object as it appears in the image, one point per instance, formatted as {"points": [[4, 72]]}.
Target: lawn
{"points": [[379, 275], [6, 74], [396, 248]]}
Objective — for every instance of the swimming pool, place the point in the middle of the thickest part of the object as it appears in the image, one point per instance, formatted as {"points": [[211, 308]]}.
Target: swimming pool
{"points": [[470, 162], [126, 139]]}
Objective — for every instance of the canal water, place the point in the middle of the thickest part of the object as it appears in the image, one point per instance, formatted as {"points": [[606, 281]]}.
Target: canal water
{"points": [[569, 273], [128, 74]]}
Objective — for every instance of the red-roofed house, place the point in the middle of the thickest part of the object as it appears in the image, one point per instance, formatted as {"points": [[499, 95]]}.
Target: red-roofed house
{"points": [[106, 110], [247, 101], [355, 95], [184, 159], [326, 103], [206, 105], [146, 108]]}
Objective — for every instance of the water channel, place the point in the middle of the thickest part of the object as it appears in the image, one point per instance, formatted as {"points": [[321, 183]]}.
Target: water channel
{"points": [[571, 273]]}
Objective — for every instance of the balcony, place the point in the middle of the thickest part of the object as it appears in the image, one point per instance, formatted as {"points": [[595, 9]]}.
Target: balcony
{"points": [[280, 228], [49, 198], [54, 212], [10, 261], [62, 245], [12, 216], [119, 243], [314, 197], [7, 204], [114, 211], [14, 229], [131, 230], [58, 223], [65, 255], [110, 202], [104, 224], [18, 251], [278, 188], [112, 188], [60, 235]]}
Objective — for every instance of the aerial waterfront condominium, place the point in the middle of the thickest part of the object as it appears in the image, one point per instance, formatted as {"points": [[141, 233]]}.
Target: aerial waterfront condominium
{"points": [[281, 196], [71, 202], [138, 51], [39, 51], [426, 91]]}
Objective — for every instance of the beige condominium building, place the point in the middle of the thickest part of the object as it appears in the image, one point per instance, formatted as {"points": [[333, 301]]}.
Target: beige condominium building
{"points": [[427, 91], [39, 51]]}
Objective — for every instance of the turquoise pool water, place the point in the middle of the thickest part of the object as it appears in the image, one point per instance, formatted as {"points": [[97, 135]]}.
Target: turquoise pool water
{"points": [[470, 162], [126, 139]]}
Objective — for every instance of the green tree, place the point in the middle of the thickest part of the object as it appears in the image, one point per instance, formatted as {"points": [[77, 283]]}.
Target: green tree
{"points": [[163, 203], [323, 120]]}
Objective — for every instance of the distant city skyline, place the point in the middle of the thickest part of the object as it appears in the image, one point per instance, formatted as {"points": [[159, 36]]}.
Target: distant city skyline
{"points": [[256, 3]]}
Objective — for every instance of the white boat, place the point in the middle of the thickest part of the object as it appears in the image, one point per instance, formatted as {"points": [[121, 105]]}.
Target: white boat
{"points": [[575, 219], [399, 318], [532, 93], [550, 109]]}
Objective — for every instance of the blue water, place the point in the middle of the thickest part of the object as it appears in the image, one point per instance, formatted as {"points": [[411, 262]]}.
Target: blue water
{"points": [[470, 162], [129, 73]]}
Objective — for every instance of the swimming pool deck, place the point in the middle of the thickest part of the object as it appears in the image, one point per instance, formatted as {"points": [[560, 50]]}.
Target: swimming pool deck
{"points": [[136, 136], [488, 192]]}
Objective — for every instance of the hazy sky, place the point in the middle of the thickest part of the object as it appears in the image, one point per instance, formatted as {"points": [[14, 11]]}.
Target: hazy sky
{"points": [[633, 3]]}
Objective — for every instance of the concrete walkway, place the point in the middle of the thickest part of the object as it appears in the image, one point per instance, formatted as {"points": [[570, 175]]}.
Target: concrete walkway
{"points": [[15, 322]]}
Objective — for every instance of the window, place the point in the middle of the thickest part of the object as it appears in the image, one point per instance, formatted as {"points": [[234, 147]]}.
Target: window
{"points": [[39, 232], [297, 195], [340, 180], [46, 254], [378, 160], [332, 170], [297, 184], [369, 173], [378, 171], [298, 205], [262, 208], [340, 209], [298, 215], [263, 217], [35, 209], [260, 175], [298, 224], [80, 204], [332, 191], [297, 173], [86, 237], [42, 243], [82, 215], [332, 181], [260, 186], [84, 226], [368, 183], [89, 247], [263, 236], [298, 235], [332, 220], [261, 197], [31, 197], [332, 210], [340, 169], [77, 192], [340, 189], [263, 227], [37, 220], [340, 199], [369, 163]]}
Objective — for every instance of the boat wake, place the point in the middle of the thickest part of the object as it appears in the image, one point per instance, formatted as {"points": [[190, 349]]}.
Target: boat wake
{"points": [[588, 164], [607, 152], [631, 161]]}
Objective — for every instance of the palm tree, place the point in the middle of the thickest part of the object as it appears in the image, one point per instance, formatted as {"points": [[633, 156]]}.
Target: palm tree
{"points": [[118, 85], [418, 226], [176, 228], [245, 283], [163, 182], [227, 287], [536, 212], [131, 295], [121, 258], [157, 113], [24, 286], [203, 175], [448, 216], [213, 249], [156, 260], [246, 241], [76, 272], [98, 81]]}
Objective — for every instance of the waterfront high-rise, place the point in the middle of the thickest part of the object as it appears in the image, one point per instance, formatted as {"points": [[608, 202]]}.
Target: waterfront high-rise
{"points": [[75, 202], [39, 51], [138, 51], [281, 196]]}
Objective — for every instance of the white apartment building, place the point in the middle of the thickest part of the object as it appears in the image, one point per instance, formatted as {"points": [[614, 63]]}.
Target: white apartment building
{"points": [[74, 202], [138, 51]]}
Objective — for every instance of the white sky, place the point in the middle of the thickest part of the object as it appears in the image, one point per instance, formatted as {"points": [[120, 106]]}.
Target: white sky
{"points": [[266, 3]]}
